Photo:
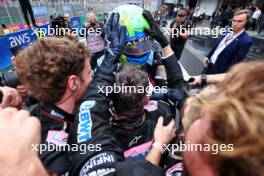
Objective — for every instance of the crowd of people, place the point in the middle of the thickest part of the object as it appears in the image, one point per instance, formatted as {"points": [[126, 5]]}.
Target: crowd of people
{"points": [[95, 131], [223, 17], [4, 29]]}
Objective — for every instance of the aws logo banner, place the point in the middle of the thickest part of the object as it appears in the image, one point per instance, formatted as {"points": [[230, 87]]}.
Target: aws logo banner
{"points": [[22, 38]]}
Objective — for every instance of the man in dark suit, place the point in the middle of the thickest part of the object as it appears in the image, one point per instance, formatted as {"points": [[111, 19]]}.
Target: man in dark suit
{"points": [[231, 48], [178, 41], [26, 8]]}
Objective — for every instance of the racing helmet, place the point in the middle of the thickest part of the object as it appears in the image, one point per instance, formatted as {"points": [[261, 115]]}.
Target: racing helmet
{"points": [[138, 45]]}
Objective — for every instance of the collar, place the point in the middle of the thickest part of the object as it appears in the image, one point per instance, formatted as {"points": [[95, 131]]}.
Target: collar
{"points": [[56, 113], [238, 34]]}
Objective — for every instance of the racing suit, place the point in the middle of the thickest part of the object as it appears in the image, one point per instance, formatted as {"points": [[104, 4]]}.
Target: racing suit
{"points": [[172, 67], [146, 122], [136, 133], [55, 126], [92, 126]]}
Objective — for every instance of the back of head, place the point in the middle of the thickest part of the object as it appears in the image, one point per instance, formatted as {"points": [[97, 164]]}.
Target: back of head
{"points": [[132, 97], [44, 67], [237, 118], [60, 25]]}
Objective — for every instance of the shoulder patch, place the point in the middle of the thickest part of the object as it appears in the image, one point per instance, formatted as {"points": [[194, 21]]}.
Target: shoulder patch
{"points": [[139, 151], [151, 106], [177, 169], [58, 138], [101, 164]]}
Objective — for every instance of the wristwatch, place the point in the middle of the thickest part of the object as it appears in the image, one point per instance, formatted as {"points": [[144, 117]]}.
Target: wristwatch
{"points": [[203, 80]]}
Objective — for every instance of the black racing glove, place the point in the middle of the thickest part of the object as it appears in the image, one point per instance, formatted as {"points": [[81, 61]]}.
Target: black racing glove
{"points": [[177, 96], [114, 35], [154, 30]]}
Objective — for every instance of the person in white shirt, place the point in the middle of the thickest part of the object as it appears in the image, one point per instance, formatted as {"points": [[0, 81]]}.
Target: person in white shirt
{"points": [[175, 10], [255, 18], [196, 15]]}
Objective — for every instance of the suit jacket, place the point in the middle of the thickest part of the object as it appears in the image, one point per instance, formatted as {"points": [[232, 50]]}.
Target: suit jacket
{"points": [[234, 53]]}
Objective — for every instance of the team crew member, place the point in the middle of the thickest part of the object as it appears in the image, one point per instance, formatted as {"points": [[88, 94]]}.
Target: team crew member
{"points": [[59, 73], [134, 117], [92, 127]]}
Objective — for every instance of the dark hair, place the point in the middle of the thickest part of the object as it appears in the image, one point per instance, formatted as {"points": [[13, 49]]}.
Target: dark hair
{"points": [[130, 102], [3, 25], [58, 22]]}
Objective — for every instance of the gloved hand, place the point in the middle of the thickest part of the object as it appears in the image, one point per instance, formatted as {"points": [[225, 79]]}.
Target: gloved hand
{"points": [[154, 30], [177, 96], [114, 35]]}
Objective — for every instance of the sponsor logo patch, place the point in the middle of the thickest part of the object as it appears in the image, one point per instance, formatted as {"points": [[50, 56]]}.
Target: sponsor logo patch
{"points": [[101, 164], [85, 121], [58, 138], [151, 106]]}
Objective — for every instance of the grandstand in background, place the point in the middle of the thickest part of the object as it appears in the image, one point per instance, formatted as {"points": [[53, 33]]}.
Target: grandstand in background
{"points": [[11, 14]]}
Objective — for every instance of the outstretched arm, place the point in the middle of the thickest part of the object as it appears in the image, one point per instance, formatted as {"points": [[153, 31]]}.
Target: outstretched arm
{"points": [[92, 126], [173, 68]]}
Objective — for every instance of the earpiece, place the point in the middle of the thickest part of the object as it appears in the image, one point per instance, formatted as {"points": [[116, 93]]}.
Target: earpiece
{"points": [[75, 85]]}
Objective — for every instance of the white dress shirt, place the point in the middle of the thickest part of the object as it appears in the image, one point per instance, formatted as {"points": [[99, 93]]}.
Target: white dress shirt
{"points": [[229, 38], [256, 14]]}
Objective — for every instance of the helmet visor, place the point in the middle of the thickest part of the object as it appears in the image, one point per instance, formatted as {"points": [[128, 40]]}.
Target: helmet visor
{"points": [[138, 47]]}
